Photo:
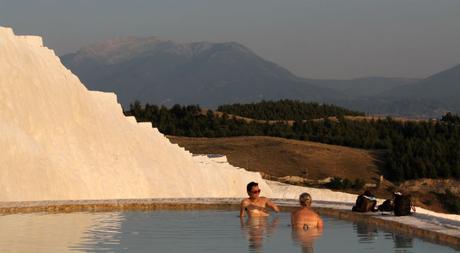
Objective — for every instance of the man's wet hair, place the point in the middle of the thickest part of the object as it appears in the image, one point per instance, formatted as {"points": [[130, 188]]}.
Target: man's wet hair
{"points": [[305, 199], [250, 185]]}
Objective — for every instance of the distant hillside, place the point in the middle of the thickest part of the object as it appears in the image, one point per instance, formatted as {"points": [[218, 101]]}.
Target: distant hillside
{"points": [[406, 107], [430, 97], [362, 87], [443, 86], [163, 72], [418, 98]]}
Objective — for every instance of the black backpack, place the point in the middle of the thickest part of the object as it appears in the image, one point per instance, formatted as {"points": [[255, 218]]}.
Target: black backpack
{"points": [[402, 205], [386, 206], [364, 204]]}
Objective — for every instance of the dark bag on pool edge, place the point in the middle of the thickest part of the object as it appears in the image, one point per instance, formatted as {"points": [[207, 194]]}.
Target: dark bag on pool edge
{"points": [[386, 206], [402, 205], [364, 204]]}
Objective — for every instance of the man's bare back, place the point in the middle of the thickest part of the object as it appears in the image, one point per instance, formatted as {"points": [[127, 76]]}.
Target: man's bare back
{"points": [[305, 218]]}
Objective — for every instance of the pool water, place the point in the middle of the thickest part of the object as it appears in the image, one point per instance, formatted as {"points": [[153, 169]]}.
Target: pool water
{"points": [[193, 231]]}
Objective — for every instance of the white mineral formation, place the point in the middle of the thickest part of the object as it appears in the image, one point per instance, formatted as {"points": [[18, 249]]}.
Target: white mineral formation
{"points": [[59, 141]]}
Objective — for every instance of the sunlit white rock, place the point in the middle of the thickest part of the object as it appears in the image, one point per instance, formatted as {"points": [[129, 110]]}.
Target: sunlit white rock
{"points": [[60, 141]]}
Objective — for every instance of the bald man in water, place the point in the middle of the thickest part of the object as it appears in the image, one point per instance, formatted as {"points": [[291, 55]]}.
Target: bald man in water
{"points": [[304, 217], [256, 205]]}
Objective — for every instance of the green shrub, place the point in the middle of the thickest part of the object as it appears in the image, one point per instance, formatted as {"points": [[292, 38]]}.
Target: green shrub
{"points": [[450, 202], [428, 202], [358, 184], [335, 183], [338, 183]]}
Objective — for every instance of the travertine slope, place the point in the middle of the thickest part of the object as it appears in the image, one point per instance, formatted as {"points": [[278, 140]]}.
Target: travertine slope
{"points": [[59, 141]]}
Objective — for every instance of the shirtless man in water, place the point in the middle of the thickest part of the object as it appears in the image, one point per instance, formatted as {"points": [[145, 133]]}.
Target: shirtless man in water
{"points": [[255, 205], [304, 217]]}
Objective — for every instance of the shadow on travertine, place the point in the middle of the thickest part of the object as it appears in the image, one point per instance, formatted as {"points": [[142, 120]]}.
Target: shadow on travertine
{"points": [[55, 232]]}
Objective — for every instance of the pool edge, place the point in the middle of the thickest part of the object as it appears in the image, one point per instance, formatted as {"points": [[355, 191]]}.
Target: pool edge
{"points": [[209, 203]]}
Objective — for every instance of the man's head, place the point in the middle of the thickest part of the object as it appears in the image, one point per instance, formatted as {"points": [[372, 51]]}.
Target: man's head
{"points": [[305, 199], [253, 189]]}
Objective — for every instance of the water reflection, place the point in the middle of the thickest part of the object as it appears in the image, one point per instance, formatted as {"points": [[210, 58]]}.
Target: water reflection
{"points": [[192, 231], [54, 232], [306, 237], [402, 243], [369, 234], [366, 233], [256, 229]]}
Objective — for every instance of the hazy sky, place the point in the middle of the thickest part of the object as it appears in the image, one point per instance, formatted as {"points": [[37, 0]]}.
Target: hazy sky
{"points": [[312, 38]]}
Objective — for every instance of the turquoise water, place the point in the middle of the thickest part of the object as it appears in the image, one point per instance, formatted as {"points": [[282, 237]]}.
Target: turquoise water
{"points": [[193, 231]]}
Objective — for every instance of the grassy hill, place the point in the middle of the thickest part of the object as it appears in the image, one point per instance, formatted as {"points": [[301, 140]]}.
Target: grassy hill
{"points": [[282, 157], [276, 158]]}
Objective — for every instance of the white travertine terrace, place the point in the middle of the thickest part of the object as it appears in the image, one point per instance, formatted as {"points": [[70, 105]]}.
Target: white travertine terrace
{"points": [[59, 141]]}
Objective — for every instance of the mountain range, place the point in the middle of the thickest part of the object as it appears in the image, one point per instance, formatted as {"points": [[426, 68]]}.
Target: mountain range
{"points": [[164, 72], [156, 71]]}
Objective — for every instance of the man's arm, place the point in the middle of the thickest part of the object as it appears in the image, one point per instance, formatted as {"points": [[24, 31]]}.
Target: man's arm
{"points": [[272, 205], [242, 207]]}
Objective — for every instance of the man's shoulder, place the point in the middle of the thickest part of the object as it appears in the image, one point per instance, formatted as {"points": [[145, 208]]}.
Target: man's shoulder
{"points": [[314, 214], [265, 199], [296, 211], [307, 211]]}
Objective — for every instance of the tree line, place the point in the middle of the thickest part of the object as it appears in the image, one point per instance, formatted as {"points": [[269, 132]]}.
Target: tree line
{"points": [[286, 110], [426, 149]]}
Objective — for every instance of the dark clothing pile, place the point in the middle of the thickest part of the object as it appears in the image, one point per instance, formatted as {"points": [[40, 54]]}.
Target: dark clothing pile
{"points": [[400, 205], [365, 202], [403, 205]]}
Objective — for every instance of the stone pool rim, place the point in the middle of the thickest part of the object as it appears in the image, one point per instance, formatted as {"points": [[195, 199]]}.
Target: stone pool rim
{"points": [[180, 204]]}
